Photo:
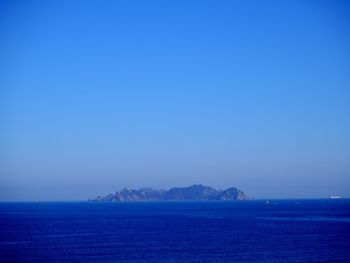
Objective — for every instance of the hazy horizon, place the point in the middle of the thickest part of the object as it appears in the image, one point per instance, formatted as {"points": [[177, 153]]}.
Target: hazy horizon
{"points": [[96, 194], [96, 96]]}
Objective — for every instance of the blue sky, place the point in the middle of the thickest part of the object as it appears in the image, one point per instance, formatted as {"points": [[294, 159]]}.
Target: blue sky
{"points": [[100, 95]]}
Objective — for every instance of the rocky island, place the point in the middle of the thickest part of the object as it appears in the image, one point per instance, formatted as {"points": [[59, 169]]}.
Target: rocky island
{"points": [[193, 192]]}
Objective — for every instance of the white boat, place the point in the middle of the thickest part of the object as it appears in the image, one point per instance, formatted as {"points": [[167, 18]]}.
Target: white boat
{"points": [[335, 197]]}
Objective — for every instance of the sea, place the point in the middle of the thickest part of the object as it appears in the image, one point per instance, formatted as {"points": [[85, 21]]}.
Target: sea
{"points": [[171, 231]]}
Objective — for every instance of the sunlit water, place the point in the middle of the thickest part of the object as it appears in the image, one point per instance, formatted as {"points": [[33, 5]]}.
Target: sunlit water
{"points": [[247, 231]]}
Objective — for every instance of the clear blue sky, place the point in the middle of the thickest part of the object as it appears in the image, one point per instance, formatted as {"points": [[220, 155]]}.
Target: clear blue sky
{"points": [[100, 95]]}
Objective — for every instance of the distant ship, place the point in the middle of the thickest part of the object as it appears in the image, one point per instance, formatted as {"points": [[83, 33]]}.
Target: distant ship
{"points": [[335, 197]]}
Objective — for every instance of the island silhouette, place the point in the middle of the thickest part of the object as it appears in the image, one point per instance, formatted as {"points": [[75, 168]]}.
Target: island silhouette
{"points": [[193, 192]]}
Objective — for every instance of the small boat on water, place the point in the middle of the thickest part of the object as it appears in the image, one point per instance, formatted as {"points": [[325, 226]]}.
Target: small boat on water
{"points": [[335, 197]]}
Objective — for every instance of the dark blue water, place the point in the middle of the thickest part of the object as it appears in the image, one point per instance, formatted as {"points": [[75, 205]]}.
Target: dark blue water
{"points": [[249, 231]]}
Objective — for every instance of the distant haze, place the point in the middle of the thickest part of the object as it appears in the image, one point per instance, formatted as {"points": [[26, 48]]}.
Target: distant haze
{"points": [[100, 95]]}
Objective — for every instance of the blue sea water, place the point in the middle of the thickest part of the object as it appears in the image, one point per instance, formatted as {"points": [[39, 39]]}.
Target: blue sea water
{"points": [[247, 231]]}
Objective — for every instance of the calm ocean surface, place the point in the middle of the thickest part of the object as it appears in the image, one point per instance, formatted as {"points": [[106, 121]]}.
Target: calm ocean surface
{"points": [[248, 231]]}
